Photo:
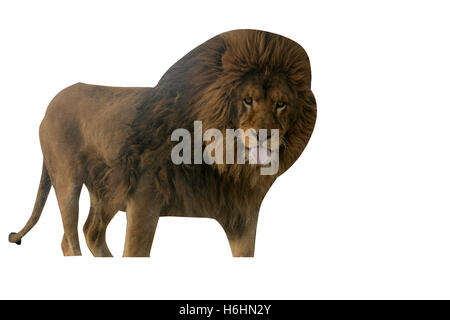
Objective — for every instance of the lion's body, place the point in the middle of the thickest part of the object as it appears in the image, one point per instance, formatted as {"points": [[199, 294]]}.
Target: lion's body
{"points": [[85, 128], [116, 142]]}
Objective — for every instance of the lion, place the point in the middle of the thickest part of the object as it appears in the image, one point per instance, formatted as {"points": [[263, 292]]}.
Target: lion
{"points": [[116, 141]]}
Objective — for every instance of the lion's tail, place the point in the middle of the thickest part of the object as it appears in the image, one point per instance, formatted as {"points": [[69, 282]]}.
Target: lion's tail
{"points": [[44, 188]]}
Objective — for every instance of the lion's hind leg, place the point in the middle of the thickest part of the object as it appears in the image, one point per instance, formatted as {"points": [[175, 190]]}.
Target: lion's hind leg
{"points": [[68, 195], [100, 214]]}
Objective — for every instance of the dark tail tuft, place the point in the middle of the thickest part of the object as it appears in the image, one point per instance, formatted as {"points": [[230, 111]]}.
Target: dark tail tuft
{"points": [[14, 238]]}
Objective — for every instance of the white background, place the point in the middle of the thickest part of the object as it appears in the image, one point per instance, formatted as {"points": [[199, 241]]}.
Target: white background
{"points": [[364, 213]]}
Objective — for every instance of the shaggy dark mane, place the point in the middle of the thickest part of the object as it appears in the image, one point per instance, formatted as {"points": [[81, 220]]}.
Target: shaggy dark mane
{"points": [[199, 86]]}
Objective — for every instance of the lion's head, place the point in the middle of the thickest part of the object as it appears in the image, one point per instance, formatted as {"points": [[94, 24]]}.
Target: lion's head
{"points": [[251, 80], [265, 106]]}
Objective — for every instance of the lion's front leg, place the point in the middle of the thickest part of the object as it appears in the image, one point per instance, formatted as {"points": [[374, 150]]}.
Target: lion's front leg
{"points": [[142, 220], [242, 238], [243, 246]]}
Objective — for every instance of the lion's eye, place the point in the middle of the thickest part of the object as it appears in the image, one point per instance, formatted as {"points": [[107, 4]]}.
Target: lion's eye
{"points": [[280, 105], [248, 101]]}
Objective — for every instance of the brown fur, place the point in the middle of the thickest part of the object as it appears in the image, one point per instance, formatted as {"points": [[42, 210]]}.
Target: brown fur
{"points": [[116, 141]]}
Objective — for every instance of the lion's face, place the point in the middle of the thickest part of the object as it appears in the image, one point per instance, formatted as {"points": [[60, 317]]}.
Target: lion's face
{"points": [[264, 104]]}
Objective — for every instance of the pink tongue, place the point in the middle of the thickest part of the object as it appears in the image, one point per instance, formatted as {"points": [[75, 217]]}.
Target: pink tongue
{"points": [[261, 155]]}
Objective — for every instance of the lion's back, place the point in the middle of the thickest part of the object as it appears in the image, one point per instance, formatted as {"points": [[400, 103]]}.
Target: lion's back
{"points": [[85, 118]]}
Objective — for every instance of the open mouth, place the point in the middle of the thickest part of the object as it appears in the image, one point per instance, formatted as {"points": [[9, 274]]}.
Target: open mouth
{"points": [[260, 155]]}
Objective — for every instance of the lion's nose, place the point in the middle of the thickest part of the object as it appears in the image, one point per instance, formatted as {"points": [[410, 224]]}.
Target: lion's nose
{"points": [[266, 136]]}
